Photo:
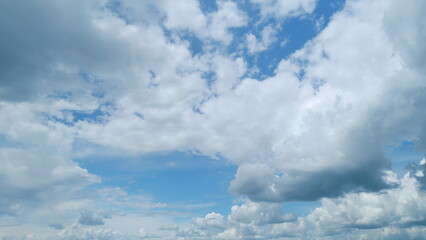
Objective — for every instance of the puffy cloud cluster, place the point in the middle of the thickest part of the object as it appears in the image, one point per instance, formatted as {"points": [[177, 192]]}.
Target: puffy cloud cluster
{"points": [[35, 160], [339, 101], [260, 213], [397, 213], [76, 232]]}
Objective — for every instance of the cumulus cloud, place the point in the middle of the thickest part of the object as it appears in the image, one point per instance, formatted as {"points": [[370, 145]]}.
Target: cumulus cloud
{"points": [[255, 45], [394, 213], [285, 9], [212, 26], [398, 207], [260, 213], [75, 231], [30, 171], [210, 221], [331, 123], [92, 218]]}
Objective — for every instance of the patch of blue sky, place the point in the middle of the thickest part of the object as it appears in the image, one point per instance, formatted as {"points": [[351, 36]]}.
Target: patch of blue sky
{"points": [[115, 7], [181, 179], [7, 142], [55, 118], [70, 117], [89, 78], [210, 77], [403, 155], [291, 35], [97, 115], [294, 34], [207, 6], [301, 209], [195, 44], [66, 95]]}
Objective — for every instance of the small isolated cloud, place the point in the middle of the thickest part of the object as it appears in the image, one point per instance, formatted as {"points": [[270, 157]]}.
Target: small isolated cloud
{"points": [[267, 38], [92, 218], [56, 226], [285, 9]]}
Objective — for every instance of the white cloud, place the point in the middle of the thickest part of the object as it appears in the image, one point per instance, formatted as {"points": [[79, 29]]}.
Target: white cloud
{"points": [[399, 207], [267, 38], [35, 164], [210, 221], [260, 213], [285, 9], [407, 38], [393, 213], [188, 16], [75, 231], [318, 124]]}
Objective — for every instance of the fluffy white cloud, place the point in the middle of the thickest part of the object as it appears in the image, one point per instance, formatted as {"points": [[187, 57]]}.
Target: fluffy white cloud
{"points": [[285, 9], [289, 109], [394, 213], [267, 37], [400, 208], [210, 221], [407, 38], [325, 112], [187, 15], [35, 160], [260, 213]]}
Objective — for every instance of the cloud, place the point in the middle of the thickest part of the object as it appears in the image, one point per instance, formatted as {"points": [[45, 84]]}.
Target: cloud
{"points": [[75, 231], [255, 45], [388, 214], [285, 9], [260, 213], [212, 26], [407, 38], [33, 173], [417, 171], [398, 207], [28, 65], [92, 218], [327, 133], [315, 96], [210, 221]]}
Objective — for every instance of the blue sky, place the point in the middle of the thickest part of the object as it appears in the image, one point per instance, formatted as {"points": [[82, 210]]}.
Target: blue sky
{"points": [[218, 119]]}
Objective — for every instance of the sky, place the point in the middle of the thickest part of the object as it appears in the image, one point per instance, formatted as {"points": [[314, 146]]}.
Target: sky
{"points": [[212, 119]]}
